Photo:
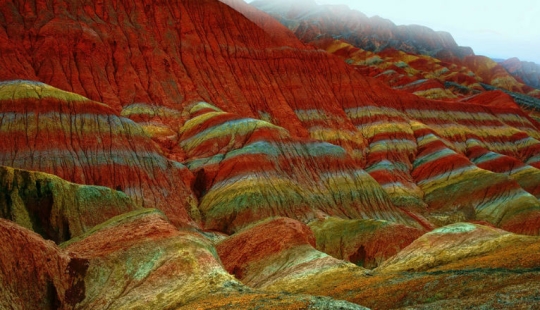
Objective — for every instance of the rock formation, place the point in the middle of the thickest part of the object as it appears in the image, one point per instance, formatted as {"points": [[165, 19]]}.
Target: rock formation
{"points": [[197, 154], [82, 141], [54, 208], [402, 56]]}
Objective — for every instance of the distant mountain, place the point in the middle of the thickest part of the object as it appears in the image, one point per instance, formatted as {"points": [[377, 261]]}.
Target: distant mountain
{"points": [[310, 21], [412, 58], [528, 72]]}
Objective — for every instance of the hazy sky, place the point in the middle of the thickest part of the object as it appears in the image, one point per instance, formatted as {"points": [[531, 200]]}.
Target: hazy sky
{"points": [[496, 28]]}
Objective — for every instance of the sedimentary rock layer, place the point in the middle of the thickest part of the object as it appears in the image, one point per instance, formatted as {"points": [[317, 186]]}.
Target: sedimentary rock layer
{"points": [[266, 148], [463, 264], [309, 21], [248, 170], [82, 141]]}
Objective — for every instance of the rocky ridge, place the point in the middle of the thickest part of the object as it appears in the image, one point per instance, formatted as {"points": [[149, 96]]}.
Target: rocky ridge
{"points": [[412, 57], [274, 171], [528, 72]]}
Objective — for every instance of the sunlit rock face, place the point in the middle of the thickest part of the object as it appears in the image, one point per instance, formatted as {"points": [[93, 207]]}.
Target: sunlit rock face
{"points": [[198, 155]]}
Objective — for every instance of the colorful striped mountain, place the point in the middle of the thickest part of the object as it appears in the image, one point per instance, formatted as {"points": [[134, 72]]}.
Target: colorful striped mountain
{"points": [[198, 154]]}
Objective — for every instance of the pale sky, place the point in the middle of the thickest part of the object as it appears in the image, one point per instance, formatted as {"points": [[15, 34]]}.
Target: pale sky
{"points": [[496, 28]]}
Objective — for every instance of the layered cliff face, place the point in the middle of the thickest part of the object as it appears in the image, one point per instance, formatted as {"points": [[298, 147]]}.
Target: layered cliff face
{"points": [[275, 170], [421, 75], [249, 170]]}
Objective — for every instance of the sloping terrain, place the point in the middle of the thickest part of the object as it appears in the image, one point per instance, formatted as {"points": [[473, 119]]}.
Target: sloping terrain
{"points": [[196, 154], [310, 21], [414, 58], [527, 71]]}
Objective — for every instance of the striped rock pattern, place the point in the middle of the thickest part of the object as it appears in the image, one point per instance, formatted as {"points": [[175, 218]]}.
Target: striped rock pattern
{"points": [[309, 20], [136, 260], [312, 95], [158, 123], [315, 97], [435, 144], [139, 258], [45, 129], [427, 76], [285, 151], [421, 75], [403, 56], [251, 170]]}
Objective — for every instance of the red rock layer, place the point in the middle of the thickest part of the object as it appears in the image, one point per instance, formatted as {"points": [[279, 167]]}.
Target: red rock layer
{"points": [[141, 259], [430, 77], [308, 21], [495, 74], [291, 132], [137, 260], [190, 50], [36, 274], [434, 54], [275, 251]]}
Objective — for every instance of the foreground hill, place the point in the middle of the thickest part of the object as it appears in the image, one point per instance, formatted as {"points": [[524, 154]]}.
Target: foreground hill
{"points": [[187, 154]]}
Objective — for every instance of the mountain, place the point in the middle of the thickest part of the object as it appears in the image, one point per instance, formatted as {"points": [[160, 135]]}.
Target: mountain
{"points": [[528, 72], [197, 154], [414, 58], [310, 21]]}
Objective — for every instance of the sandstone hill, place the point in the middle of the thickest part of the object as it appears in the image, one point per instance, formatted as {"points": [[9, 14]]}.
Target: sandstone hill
{"points": [[199, 154]]}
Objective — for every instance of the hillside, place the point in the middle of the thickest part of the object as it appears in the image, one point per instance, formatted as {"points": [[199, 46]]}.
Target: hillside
{"points": [[200, 154]]}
